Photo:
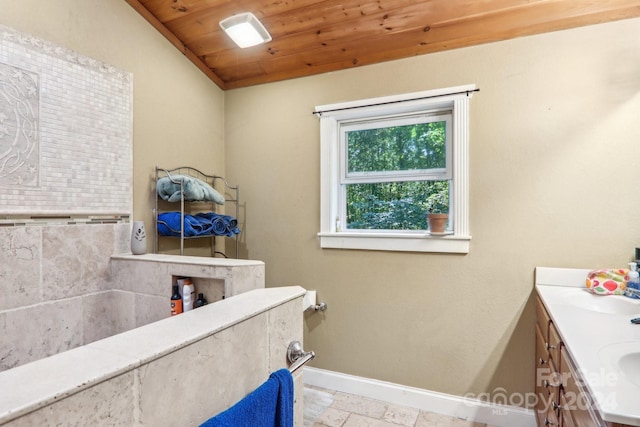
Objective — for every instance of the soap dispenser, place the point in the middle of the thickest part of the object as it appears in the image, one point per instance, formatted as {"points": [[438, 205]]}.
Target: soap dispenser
{"points": [[634, 282]]}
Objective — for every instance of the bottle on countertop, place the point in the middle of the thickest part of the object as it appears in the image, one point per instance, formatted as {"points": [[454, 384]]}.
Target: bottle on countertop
{"points": [[201, 301], [633, 282], [188, 293], [176, 301]]}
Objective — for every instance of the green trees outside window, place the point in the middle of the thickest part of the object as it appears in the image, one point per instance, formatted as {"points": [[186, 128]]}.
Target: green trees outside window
{"points": [[380, 158]]}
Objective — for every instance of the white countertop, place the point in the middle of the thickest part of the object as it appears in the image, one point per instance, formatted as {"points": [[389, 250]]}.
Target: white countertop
{"points": [[597, 333]]}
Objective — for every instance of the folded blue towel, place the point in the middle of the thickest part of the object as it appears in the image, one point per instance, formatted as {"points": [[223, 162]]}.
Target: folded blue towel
{"points": [[223, 225], [270, 405], [201, 224], [219, 226], [169, 225]]}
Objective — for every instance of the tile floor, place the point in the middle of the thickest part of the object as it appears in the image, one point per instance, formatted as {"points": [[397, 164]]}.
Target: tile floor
{"points": [[328, 408]]}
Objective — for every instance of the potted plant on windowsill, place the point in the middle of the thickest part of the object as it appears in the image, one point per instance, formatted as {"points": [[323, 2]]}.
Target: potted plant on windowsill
{"points": [[438, 212]]}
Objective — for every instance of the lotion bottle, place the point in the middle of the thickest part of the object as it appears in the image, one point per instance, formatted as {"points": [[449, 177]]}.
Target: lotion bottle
{"points": [[188, 292], [634, 281]]}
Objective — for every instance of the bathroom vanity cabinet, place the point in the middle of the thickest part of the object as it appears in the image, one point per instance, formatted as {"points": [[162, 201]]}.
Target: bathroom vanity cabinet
{"points": [[547, 378], [183, 205], [563, 398]]}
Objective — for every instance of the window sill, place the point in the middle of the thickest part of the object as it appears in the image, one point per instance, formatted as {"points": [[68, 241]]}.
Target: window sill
{"points": [[422, 242]]}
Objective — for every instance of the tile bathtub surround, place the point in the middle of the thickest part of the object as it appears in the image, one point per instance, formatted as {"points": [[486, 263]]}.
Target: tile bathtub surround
{"points": [[201, 362], [107, 313], [44, 263], [20, 258], [75, 259], [151, 274], [90, 407], [64, 289], [329, 408], [48, 272], [41, 330], [210, 366]]}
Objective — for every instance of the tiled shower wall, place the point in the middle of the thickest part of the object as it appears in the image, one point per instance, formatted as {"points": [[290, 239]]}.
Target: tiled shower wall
{"points": [[65, 151], [56, 293], [65, 131]]}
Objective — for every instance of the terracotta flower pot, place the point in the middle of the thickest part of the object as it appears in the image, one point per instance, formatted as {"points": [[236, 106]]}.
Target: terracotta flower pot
{"points": [[437, 222]]}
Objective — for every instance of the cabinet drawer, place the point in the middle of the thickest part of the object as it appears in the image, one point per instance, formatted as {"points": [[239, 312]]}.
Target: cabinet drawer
{"points": [[543, 397], [547, 383], [542, 355], [551, 419], [566, 420], [543, 319], [550, 334], [554, 344], [577, 399]]}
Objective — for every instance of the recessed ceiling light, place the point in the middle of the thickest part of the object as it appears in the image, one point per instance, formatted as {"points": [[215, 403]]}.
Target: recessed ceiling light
{"points": [[245, 30]]}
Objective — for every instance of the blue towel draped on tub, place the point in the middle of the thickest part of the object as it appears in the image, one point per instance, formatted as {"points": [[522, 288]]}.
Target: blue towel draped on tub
{"points": [[270, 405]]}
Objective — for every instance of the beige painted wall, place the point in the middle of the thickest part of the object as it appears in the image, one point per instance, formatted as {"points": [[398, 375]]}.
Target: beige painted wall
{"points": [[555, 160], [178, 115]]}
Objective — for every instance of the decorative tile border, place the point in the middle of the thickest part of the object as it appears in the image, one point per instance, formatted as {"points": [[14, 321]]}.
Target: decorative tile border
{"points": [[44, 47], [19, 111]]}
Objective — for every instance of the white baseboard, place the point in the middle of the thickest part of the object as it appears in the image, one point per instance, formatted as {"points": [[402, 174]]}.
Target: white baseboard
{"points": [[424, 400]]}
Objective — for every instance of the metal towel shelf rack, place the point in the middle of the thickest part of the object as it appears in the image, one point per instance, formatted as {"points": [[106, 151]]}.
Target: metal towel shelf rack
{"points": [[297, 356]]}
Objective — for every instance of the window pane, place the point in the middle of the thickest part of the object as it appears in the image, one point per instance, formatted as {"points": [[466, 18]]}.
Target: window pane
{"points": [[394, 205], [410, 147]]}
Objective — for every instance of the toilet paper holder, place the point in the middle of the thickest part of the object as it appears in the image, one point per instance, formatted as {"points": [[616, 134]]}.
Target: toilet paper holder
{"points": [[309, 302]]}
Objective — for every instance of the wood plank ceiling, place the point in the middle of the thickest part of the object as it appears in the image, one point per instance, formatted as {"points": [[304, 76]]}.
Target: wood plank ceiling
{"points": [[317, 36]]}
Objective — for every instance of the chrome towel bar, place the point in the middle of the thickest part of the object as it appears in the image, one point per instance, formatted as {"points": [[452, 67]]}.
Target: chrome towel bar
{"points": [[297, 356]]}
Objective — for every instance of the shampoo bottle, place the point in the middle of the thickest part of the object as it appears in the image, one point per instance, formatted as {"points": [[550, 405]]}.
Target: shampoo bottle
{"points": [[634, 281], [188, 292], [176, 301]]}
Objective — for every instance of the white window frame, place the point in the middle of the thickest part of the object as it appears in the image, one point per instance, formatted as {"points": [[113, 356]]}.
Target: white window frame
{"points": [[332, 166], [389, 176]]}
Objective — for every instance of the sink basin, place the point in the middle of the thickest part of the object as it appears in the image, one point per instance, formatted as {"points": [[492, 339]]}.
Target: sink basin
{"points": [[629, 365], [614, 304], [623, 357]]}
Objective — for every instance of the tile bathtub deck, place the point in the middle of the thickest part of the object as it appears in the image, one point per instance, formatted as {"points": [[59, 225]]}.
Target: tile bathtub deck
{"points": [[328, 408]]}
